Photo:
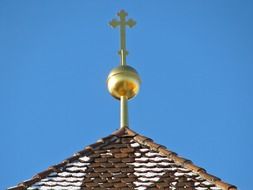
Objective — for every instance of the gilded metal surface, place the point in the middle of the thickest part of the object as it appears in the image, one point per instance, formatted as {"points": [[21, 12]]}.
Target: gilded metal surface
{"points": [[123, 82], [122, 23], [123, 112]]}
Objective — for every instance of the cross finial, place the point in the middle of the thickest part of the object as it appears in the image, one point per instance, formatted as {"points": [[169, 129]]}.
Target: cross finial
{"points": [[123, 81], [122, 23]]}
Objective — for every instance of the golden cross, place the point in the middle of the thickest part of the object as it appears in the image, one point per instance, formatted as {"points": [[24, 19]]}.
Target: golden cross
{"points": [[122, 23]]}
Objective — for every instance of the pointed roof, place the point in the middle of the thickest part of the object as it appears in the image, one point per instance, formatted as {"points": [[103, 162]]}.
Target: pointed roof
{"points": [[124, 160]]}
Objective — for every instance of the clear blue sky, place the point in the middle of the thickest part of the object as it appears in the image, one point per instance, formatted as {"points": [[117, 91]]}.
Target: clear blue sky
{"points": [[195, 59]]}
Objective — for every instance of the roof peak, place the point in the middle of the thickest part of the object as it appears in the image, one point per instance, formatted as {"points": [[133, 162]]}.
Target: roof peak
{"points": [[122, 150]]}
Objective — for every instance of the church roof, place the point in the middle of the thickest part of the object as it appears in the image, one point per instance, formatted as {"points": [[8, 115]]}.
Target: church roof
{"points": [[124, 160]]}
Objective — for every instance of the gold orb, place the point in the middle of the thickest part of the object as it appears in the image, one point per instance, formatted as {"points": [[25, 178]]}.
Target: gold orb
{"points": [[123, 81]]}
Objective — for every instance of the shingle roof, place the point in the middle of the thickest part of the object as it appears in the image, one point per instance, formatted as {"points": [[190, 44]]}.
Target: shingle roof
{"points": [[124, 160]]}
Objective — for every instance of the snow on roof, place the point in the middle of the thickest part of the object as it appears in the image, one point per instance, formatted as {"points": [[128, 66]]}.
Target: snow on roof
{"points": [[124, 160]]}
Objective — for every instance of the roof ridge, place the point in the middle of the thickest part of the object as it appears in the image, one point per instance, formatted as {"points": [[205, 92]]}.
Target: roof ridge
{"points": [[138, 138], [56, 168], [179, 160]]}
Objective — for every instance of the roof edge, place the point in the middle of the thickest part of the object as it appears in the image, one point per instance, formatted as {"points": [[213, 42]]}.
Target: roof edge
{"points": [[138, 138], [56, 168], [180, 160]]}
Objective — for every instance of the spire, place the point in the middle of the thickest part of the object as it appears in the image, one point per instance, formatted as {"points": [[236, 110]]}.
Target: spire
{"points": [[123, 82]]}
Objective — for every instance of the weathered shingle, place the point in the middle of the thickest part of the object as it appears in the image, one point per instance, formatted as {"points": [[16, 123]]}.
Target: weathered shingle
{"points": [[124, 160]]}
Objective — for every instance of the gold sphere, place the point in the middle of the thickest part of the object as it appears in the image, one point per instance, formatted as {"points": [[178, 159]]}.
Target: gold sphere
{"points": [[123, 81]]}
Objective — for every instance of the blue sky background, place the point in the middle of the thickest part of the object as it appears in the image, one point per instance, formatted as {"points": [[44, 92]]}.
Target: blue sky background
{"points": [[195, 59]]}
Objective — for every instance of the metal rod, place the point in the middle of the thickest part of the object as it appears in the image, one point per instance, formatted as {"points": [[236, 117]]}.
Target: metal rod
{"points": [[123, 31], [123, 57], [123, 112]]}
